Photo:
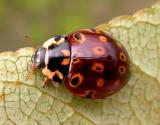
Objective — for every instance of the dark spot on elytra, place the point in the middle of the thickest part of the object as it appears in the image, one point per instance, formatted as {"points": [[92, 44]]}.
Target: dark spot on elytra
{"points": [[122, 69], [98, 68], [90, 95], [123, 56], [75, 59], [77, 36], [75, 81]]}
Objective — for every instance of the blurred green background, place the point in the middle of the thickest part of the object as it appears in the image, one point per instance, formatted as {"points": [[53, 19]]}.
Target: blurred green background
{"points": [[42, 19]]}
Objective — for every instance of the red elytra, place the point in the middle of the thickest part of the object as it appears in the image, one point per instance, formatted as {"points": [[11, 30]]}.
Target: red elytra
{"points": [[99, 65]]}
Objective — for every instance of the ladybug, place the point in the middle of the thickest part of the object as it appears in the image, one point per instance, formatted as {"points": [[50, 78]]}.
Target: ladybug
{"points": [[89, 62]]}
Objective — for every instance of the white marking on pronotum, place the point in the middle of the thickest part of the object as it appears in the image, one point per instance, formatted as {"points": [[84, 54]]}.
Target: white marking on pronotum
{"points": [[49, 42], [46, 57], [37, 60], [52, 41], [38, 55]]}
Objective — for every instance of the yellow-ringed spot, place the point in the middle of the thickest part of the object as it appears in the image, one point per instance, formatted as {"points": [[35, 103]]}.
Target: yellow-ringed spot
{"points": [[76, 80], [48, 73], [79, 38], [103, 39], [100, 82], [99, 51], [59, 74], [98, 67], [65, 61], [66, 52], [122, 70], [122, 57]]}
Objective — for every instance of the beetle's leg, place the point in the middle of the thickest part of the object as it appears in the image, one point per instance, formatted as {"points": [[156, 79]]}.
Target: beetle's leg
{"points": [[33, 68], [45, 82]]}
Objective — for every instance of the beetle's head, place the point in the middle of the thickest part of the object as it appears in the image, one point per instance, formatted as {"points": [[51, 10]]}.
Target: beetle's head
{"points": [[38, 58]]}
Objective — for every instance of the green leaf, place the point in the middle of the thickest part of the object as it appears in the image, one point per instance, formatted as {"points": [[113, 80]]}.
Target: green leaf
{"points": [[23, 101]]}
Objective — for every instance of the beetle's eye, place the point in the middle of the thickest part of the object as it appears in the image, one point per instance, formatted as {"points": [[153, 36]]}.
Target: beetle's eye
{"points": [[35, 58], [38, 58]]}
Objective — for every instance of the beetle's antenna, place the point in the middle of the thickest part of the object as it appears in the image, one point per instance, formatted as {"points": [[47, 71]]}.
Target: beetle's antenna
{"points": [[28, 39]]}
